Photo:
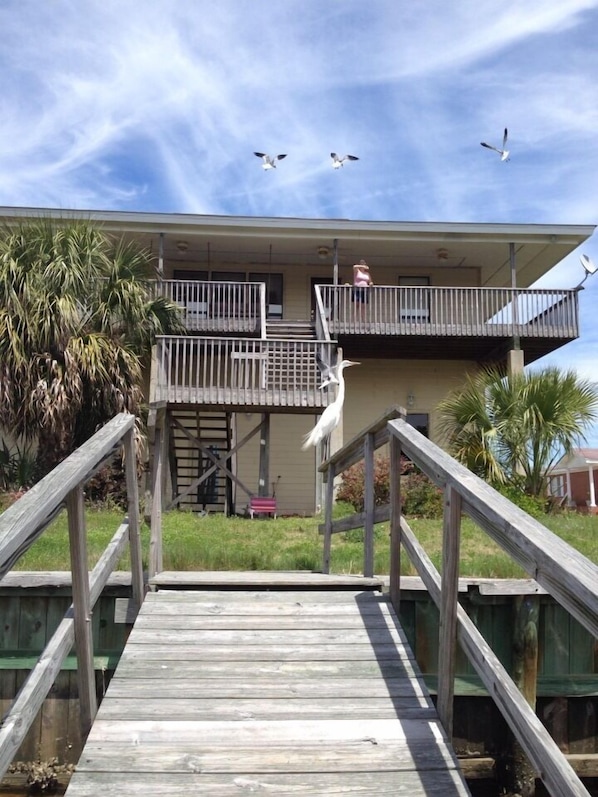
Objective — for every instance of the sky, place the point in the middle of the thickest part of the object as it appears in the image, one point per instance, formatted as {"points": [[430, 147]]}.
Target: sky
{"points": [[158, 105]]}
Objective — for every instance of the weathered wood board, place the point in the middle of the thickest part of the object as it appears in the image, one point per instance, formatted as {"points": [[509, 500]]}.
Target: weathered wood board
{"points": [[270, 692]]}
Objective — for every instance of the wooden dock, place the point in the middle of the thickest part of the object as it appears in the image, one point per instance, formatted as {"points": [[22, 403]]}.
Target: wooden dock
{"points": [[303, 688]]}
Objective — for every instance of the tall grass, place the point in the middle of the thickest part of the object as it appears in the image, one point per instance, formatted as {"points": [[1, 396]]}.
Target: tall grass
{"points": [[214, 542]]}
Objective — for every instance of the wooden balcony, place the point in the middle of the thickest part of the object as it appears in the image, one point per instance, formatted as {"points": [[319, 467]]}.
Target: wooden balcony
{"points": [[234, 373], [219, 307], [451, 322]]}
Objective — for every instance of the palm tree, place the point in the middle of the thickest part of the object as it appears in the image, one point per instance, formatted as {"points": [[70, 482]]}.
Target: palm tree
{"points": [[513, 429], [78, 315]]}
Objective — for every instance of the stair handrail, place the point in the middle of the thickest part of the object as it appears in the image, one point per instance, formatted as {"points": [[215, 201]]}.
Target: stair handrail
{"points": [[23, 523], [562, 571], [322, 330]]}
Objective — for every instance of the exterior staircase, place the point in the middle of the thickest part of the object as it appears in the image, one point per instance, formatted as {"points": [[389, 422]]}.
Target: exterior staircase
{"points": [[214, 431], [290, 330]]}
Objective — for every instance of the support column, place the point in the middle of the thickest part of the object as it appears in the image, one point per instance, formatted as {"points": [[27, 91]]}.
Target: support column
{"points": [[592, 488], [515, 363], [525, 676], [264, 475], [570, 501]]}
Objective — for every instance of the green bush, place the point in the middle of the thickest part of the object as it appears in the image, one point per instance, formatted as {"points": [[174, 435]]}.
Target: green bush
{"points": [[419, 497], [18, 468], [534, 505]]}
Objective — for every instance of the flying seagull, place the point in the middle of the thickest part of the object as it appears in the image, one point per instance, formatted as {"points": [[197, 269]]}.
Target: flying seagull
{"points": [[338, 160], [331, 416], [328, 371], [269, 160], [504, 152]]}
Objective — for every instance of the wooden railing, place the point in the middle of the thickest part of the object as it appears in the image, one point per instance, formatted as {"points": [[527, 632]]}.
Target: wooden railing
{"points": [[21, 525], [562, 571], [238, 371], [461, 312], [219, 306]]}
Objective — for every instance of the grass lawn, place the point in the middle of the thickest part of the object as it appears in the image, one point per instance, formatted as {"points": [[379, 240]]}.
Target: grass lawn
{"points": [[214, 542]]}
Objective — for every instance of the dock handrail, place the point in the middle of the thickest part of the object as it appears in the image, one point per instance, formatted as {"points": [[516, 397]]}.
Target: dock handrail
{"points": [[562, 571], [23, 523]]}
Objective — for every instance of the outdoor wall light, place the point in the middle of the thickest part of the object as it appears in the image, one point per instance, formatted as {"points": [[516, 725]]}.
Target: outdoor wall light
{"points": [[323, 252], [182, 246], [410, 399]]}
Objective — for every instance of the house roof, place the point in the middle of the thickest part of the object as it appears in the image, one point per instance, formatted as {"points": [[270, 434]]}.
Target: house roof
{"points": [[578, 459], [256, 241]]}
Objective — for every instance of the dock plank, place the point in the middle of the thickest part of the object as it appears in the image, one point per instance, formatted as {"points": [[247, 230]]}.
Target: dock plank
{"points": [[292, 692]]}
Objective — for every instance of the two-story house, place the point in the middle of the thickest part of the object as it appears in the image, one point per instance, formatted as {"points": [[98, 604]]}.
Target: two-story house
{"points": [[262, 296]]}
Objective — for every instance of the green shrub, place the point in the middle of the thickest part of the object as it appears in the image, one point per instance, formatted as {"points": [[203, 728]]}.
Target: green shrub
{"points": [[419, 496], [18, 468], [534, 505]]}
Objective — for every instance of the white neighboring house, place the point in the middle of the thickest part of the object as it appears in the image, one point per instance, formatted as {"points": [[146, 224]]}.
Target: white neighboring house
{"points": [[574, 479]]}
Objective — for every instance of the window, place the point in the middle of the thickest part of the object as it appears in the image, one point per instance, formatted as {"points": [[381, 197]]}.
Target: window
{"points": [[419, 421], [415, 301]]}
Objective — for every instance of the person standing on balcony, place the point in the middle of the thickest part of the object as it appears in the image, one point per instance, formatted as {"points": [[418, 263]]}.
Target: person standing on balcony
{"points": [[362, 280]]}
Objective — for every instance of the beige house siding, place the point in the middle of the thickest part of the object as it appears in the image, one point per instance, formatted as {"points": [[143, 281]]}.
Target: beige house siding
{"points": [[295, 490], [372, 387], [375, 385]]}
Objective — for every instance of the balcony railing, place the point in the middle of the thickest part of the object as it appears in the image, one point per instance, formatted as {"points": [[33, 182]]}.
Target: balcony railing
{"points": [[457, 312], [219, 306], [239, 372]]}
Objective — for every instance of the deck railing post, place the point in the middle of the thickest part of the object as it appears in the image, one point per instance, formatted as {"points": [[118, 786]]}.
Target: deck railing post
{"points": [[155, 548], [395, 522], [328, 518], [134, 522], [82, 608], [447, 646], [368, 507]]}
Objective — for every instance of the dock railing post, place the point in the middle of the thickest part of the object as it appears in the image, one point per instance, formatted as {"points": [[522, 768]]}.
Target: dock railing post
{"points": [[447, 645], [82, 608], [395, 522], [134, 521], [157, 488], [369, 501], [328, 518]]}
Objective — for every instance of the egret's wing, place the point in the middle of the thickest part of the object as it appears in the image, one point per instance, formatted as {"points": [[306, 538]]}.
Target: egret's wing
{"points": [[352, 157], [489, 146], [504, 139], [280, 157], [260, 154]]}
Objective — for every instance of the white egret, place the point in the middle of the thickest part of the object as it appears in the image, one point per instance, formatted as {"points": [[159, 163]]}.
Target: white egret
{"points": [[269, 160], [338, 160], [504, 152], [331, 416]]}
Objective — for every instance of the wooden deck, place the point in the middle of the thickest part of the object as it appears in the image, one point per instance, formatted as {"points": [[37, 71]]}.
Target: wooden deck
{"points": [[300, 688]]}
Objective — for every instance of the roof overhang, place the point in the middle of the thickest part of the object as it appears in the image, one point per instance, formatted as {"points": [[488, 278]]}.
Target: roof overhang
{"points": [[408, 246]]}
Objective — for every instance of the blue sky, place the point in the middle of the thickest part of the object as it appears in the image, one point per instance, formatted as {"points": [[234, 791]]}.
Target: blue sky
{"points": [[158, 105]]}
